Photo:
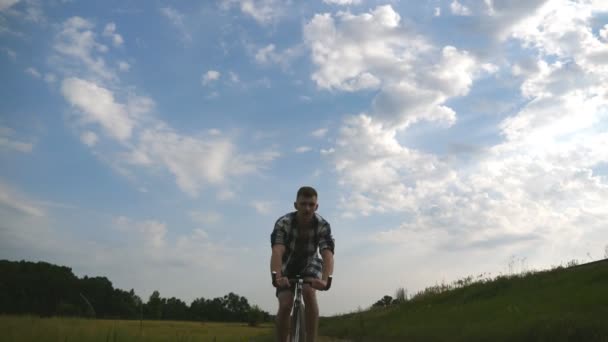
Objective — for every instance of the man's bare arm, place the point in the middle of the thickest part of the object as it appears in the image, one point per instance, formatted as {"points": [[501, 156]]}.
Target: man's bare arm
{"points": [[328, 263], [276, 259]]}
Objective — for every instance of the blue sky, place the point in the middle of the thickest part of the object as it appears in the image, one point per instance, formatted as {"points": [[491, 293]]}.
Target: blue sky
{"points": [[156, 143]]}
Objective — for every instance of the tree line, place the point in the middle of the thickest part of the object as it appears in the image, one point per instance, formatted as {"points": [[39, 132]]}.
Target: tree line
{"points": [[45, 289]]}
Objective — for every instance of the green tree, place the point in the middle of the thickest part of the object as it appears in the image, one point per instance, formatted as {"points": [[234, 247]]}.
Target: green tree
{"points": [[384, 301], [154, 307], [255, 316]]}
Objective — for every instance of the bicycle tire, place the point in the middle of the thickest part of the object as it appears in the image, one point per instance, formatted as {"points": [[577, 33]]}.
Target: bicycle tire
{"points": [[298, 324]]}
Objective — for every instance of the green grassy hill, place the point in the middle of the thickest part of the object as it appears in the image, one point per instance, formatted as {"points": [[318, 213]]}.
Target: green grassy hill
{"points": [[563, 304]]}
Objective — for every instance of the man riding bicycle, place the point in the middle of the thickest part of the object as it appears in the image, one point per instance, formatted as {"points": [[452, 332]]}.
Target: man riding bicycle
{"points": [[295, 240]]}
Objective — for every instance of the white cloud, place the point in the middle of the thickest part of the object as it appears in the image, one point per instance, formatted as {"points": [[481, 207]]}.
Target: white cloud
{"points": [[303, 149], [124, 66], [268, 55], [177, 19], [327, 151], [234, 78], [198, 161], [76, 40], [152, 232], [319, 133], [437, 12], [378, 171], [97, 104], [34, 12], [212, 95], [493, 19], [110, 32], [536, 187], [8, 142], [351, 51], [50, 78], [149, 243], [262, 11], [604, 32], [13, 200], [33, 72], [263, 207], [342, 2], [210, 76], [5, 4], [263, 54], [89, 138], [373, 51], [10, 53], [459, 9]]}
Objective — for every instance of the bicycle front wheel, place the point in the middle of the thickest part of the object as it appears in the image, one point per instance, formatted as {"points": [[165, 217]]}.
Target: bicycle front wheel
{"points": [[298, 325]]}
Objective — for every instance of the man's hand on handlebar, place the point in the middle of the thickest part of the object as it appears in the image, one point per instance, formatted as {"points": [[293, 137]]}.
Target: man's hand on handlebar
{"points": [[282, 282], [318, 284]]}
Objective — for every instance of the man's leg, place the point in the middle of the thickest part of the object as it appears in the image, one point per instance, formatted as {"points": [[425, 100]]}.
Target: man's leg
{"points": [[312, 312], [285, 303]]}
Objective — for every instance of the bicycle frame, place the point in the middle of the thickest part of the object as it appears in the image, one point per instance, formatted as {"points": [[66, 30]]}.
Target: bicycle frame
{"points": [[298, 320], [298, 326]]}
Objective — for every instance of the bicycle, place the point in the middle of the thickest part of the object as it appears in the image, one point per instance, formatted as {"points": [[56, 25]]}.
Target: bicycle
{"points": [[298, 318]]}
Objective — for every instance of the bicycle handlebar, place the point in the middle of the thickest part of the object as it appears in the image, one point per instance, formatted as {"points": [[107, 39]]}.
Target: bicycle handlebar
{"points": [[295, 280]]}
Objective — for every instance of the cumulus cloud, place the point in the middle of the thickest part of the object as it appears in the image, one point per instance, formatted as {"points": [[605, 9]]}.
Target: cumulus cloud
{"points": [[381, 175], [263, 11], [604, 32], [374, 51], [123, 66], [319, 133], [196, 161], [10, 53], [234, 77], [33, 72], [151, 232], [97, 104], [89, 138], [177, 19], [263, 207], [491, 20], [144, 142], [5, 4], [110, 32], [459, 9], [303, 149], [342, 2], [210, 76], [149, 242], [50, 78], [268, 55], [536, 185], [77, 42], [8, 141]]}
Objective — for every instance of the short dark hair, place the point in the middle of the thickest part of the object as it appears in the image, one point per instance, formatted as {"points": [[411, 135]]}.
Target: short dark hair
{"points": [[307, 191]]}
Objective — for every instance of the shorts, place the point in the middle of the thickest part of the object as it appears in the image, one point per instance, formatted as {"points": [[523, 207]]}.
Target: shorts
{"points": [[313, 270]]}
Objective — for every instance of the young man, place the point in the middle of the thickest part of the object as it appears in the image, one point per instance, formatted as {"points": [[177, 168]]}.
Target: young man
{"points": [[295, 240]]}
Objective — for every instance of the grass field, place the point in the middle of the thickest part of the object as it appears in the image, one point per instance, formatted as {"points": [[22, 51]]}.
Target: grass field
{"points": [[568, 304], [26, 329], [29, 329]]}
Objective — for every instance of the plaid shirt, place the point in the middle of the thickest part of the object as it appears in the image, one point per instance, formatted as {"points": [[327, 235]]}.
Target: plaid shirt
{"points": [[301, 246]]}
